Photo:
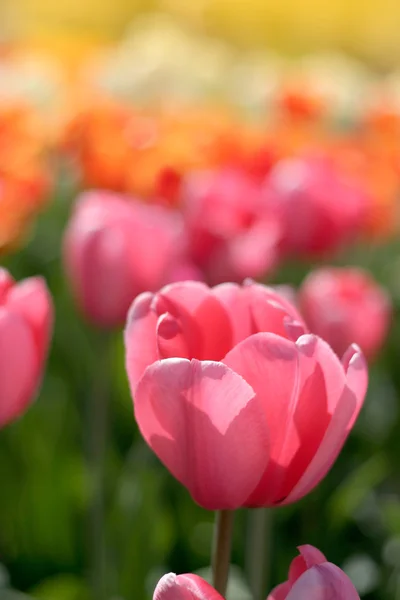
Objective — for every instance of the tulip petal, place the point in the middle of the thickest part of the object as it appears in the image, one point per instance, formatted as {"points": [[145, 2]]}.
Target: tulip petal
{"points": [[330, 447], [196, 416], [171, 340], [294, 329], [322, 381], [323, 582], [151, 262], [309, 556], [269, 363], [31, 300], [346, 411], [356, 369], [235, 300], [270, 311], [300, 386], [280, 592], [184, 587], [18, 366], [140, 338], [99, 270], [203, 318]]}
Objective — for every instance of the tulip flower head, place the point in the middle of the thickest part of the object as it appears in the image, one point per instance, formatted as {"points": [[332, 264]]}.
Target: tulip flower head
{"points": [[115, 248], [320, 210], [207, 366], [26, 317], [312, 577], [184, 587], [232, 232], [342, 304]]}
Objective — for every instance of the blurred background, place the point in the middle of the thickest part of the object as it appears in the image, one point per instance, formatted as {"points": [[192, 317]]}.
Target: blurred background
{"points": [[367, 29], [274, 80]]}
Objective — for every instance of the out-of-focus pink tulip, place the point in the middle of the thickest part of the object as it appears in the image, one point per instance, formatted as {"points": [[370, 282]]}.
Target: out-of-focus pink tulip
{"points": [[343, 304], [312, 577], [184, 587], [207, 366], [115, 248], [233, 234], [319, 209], [26, 318]]}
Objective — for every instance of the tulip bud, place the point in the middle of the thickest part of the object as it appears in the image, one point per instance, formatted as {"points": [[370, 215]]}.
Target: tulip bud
{"points": [[312, 577]]}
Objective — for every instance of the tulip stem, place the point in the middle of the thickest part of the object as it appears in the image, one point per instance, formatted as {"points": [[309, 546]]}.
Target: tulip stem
{"points": [[222, 549], [98, 434], [259, 551]]}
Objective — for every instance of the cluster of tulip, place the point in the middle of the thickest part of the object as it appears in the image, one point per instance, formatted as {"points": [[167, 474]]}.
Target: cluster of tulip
{"points": [[344, 183], [326, 104], [303, 125], [115, 248], [206, 367], [246, 393]]}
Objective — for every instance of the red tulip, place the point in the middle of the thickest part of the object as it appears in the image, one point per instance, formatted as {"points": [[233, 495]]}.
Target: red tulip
{"points": [[232, 232], [208, 366], [116, 248], [320, 210], [311, 577], [343, 304], [184, 587], [26, 317]]}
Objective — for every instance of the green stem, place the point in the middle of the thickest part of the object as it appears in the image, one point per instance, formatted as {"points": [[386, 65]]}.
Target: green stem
{"points": [[222, 549], [98, 406], [259, 551]]}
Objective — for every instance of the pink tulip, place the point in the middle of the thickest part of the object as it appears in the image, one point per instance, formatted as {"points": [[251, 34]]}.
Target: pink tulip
{"points": [[319, 209], [343, 304], [115, 248], [26, 317], [184, 587], [311, 577], [241, 405], [233, 233]]}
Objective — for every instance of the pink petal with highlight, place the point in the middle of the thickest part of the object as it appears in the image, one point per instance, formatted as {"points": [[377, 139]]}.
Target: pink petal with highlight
{"points": [[196, 416], [269, 363], [322, 381], [235, 299], [203, 318], [343, 418], [270, 311], [140, 338], [171, 341]]}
